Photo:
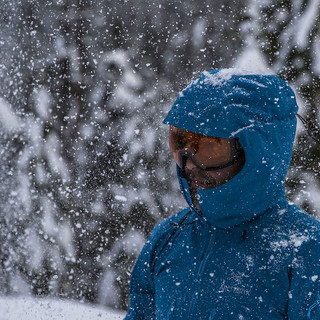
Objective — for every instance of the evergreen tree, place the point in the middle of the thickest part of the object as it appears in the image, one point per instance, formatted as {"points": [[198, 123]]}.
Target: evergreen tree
{"points": [[287, 34], [85, 163]]}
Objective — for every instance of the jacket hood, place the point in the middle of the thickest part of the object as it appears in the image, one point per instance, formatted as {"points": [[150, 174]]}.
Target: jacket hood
{"points": [[261, 111]]}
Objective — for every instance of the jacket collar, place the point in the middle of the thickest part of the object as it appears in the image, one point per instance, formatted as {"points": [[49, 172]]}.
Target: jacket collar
{"points": [[233, 203]]}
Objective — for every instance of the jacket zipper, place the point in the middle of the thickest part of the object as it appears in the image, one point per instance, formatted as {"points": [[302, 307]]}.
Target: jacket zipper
{"points": [[199, 275], [212, 315], [313, 306]]}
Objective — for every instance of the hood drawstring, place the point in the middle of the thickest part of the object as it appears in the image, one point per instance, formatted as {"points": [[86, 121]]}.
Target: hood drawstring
{"points": [[176, 226], [181, 222], [182, 176]]}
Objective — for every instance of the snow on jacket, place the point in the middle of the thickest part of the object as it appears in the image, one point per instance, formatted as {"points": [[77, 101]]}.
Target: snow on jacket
{"points": [[249, 254]]}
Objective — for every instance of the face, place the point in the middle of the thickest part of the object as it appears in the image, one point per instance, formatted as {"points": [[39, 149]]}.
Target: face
{"points": [[207, 162], [199, 178]]}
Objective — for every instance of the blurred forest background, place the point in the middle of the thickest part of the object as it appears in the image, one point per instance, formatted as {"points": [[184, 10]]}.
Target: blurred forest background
{"points": [[84, 85]]}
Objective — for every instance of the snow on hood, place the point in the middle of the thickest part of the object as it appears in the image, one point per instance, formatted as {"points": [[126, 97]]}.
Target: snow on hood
{"points": [[261, 111]]}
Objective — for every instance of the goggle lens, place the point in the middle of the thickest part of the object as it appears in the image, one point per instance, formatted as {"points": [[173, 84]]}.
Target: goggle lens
{"points": [[207, 153]]}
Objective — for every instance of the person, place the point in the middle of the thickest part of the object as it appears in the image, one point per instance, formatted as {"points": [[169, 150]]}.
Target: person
{"points": [[239, 250]]}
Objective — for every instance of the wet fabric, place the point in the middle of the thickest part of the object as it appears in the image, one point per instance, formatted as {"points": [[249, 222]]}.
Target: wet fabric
{"points": [[248, 254]]}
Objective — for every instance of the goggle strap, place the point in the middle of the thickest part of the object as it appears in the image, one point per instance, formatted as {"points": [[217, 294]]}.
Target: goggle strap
{"points": [[235, 150]]}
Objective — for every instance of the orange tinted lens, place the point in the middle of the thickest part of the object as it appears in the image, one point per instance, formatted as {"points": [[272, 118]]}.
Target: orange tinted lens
{"points": [[207, 151], [213, 151]]}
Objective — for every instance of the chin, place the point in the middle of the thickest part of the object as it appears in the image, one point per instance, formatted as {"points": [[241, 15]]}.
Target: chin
{"points": [[199, 184]]}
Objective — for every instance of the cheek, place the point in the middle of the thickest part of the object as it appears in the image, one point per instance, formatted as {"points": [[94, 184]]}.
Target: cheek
{"points": [[224, 174], [219, 173]]}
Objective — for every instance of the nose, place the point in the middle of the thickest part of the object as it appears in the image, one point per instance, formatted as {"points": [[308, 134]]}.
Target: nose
{"points": [[189, 164]]}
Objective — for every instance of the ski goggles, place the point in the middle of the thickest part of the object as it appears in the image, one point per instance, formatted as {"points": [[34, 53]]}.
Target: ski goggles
{"points": [[207, 153]]}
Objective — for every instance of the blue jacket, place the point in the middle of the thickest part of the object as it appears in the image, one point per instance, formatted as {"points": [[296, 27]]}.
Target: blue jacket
{"points": [[249, 254]]}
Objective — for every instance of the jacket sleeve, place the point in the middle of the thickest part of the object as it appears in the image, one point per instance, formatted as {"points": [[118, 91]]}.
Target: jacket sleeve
{"points": [[142, 290], [304, 295], [142, 294]]}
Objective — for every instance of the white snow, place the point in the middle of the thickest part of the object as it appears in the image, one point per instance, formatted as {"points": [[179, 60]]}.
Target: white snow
{"points": [[35, 249], [306, 23], [236, 132], [121, 198], [242, 68], [316, 56], [53, 151], [217, 79], [27, 308], [251, 59], [297, 240], [8, 120], [42, 103], [198, 32]]}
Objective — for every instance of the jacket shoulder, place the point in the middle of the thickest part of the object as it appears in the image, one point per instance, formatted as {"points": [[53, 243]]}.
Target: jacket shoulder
{"points": [[304, 232], [160, 236], [167, 225], [300, 221], [297, 231]]}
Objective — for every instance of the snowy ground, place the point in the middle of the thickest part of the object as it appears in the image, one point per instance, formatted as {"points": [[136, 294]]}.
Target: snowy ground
{"points": [[26, 308]]}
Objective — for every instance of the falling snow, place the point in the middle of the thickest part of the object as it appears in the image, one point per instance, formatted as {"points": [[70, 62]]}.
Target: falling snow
{"points": [[86, 170]]}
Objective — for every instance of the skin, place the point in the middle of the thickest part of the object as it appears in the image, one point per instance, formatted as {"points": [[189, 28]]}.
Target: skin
{"points": [[198, 178], [180, 139]]}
